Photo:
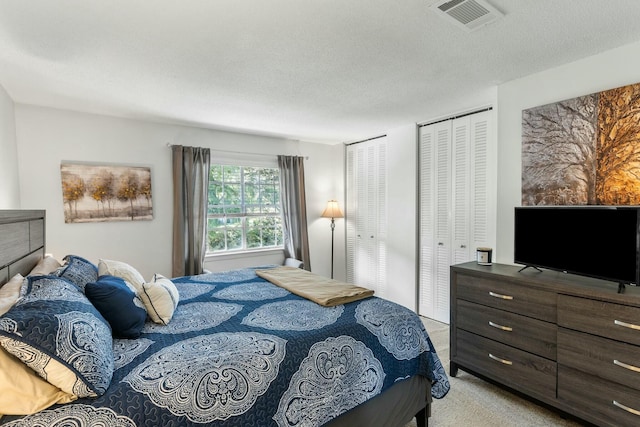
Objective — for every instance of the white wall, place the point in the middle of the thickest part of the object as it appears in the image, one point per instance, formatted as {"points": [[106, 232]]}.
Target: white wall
{"points": [[46, 137], [608, 70], [9, 186], [327, 183], [402, 187]]}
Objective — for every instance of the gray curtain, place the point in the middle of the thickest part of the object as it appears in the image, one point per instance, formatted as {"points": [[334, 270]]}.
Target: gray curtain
{"points": [[293, 206], [190, 199]]}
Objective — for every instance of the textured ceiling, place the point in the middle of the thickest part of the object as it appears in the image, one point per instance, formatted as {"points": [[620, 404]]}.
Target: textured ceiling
{"points": [[315, 70]]}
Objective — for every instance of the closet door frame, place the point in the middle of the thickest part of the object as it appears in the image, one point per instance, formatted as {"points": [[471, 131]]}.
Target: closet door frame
{"points": [[456, 216], [435, 184], [366, 214]]}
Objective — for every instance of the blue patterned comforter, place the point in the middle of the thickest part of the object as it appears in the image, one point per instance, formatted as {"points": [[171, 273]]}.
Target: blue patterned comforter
{"points": [[240, 351]]}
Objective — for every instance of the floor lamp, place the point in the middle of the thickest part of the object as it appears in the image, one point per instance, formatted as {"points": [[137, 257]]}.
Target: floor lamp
{"points": [[332, 211]]}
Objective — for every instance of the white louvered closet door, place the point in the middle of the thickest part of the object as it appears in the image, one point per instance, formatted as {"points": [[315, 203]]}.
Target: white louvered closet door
{"points": [[366, 215], [472, 224], [457, 200], [483, 187], [435, 190], [461, 173]]}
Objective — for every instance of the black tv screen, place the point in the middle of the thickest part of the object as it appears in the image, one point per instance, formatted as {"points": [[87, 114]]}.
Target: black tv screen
{"points": [[594, 241]]}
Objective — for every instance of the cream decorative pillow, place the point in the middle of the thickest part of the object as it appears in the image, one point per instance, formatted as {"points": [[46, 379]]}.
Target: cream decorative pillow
{"points": [[160, 297], [45, 266], [122, 270], [22, 391], [10, 292]]}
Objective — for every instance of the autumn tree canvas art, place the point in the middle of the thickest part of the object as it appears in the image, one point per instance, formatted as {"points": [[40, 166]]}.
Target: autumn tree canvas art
{"points": [[106, 193], [618, 171], [583, 151]]}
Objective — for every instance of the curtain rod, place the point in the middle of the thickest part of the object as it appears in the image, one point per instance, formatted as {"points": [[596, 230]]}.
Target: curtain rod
{"points": [[455, 117], [169, 145], [429, 123], [364, 140]]}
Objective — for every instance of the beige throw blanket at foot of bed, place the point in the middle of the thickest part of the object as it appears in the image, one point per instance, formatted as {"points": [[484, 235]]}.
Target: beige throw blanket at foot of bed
{"points": [[321, 290]]}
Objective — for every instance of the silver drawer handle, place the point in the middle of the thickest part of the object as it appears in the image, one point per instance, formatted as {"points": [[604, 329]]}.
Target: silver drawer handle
{"points": [[504, 361], [626, 408], [504, 328], [624, 365], [493, 294], [626, 325]]}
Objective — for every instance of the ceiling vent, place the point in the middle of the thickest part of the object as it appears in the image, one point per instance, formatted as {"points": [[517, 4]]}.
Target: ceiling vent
{"points": [[468, 14]]}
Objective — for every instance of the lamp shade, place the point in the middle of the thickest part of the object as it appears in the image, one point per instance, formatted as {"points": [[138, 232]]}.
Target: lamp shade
{"points": [[332, 210]]}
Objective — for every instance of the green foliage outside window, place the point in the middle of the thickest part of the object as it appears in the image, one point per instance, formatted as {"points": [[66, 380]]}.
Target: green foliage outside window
{"points": [[244, 208]]}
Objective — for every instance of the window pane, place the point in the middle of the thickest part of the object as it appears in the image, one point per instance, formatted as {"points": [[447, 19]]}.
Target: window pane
{"points": [[224, 234], [254, 235], [216, 235], [270, 175], [233, 198], [264, 232], [268, 235], [216, 193], [270, 199], [232, 173], [251, 194], [215, 173], [252, 175], [234, 233]]}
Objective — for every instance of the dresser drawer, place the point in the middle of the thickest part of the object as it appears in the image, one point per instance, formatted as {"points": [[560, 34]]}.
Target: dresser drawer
{"points": [[615, 321], [515, 368], [531, 302], [518, 331], [593, 398], [607, 359]]}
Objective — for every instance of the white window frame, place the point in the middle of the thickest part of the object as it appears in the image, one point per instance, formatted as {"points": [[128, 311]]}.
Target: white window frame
{"points": [[242, 160]]}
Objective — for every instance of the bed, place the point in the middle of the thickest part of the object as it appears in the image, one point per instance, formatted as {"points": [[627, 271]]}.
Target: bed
{"points": [[236, 350]]}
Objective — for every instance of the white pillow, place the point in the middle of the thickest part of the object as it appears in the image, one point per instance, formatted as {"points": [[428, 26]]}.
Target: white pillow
{"points": [[10, 292], [46, 265], [122, 270], [160, 297]]}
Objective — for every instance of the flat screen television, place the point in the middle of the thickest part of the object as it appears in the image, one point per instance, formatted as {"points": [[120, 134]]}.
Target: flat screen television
{"points": [[595, 241]]}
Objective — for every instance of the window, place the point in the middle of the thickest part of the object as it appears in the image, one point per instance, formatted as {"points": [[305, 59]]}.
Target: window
{"points": [[244, 208]]}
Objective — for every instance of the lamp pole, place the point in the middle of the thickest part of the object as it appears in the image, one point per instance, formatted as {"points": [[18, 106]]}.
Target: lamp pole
{"points": [[332, 211], [333, 226]]}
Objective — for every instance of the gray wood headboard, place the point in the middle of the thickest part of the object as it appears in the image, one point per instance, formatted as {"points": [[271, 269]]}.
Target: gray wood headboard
{"points": [[22, 241]]}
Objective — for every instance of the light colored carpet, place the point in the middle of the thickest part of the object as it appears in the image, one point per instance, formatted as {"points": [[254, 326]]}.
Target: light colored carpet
{"points": [[477, 403]]}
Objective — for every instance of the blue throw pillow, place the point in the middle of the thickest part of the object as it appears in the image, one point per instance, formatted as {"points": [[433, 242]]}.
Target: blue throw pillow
{"points": [[56, 331], [118, 304], [78, 271]]}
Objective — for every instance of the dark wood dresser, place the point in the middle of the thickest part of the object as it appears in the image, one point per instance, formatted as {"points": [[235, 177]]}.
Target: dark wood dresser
{"points": [[568, 341]]}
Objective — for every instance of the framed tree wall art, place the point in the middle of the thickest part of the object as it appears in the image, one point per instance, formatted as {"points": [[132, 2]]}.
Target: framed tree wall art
{"points": [[583, 151], [98, 192]]}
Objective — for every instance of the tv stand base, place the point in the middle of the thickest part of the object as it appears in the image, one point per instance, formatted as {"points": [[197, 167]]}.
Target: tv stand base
{"points": [[529, 266]]}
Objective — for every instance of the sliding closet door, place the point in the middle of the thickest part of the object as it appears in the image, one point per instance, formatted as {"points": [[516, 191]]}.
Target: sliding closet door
{"points": [[366, 214], [457, 203]]}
